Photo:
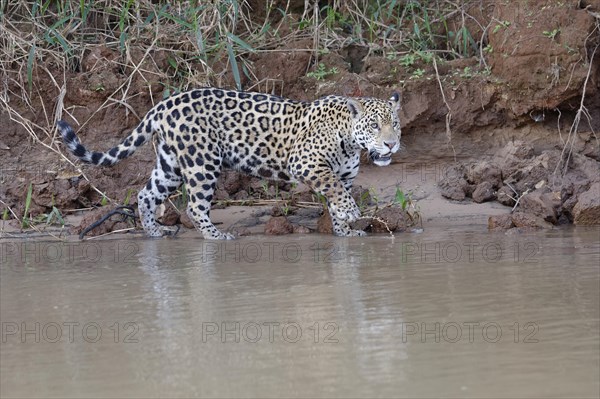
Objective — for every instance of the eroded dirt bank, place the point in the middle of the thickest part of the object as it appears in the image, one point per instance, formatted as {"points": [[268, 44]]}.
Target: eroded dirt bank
{"points": [[516, 125]]}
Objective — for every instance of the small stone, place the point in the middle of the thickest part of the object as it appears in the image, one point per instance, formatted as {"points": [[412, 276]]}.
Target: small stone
{"points": [[186, 221], [299, 229], [540, 184], [242, 231]]}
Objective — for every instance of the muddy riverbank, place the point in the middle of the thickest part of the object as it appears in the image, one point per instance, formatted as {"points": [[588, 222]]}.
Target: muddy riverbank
{"points": [[515, 123]]}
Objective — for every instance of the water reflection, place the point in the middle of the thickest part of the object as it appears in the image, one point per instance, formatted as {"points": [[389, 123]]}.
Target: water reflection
{"points": [[443, 313]]}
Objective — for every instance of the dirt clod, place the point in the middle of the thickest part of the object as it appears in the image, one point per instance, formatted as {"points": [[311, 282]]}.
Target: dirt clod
{"points": [[391, 218], [278, 225], [454, 188], [587, 209], [324, 225], [485, 171], [539, 203], [186, 221], [526, 220], [505, 196], [484, 192], [170, 217], [500, 222]]}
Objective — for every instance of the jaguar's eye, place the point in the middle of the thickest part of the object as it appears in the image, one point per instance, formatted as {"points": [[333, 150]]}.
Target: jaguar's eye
{"points": [[375, 126]]}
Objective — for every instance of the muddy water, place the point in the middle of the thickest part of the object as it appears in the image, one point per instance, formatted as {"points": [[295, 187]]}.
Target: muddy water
{"points": [[452, 313]]}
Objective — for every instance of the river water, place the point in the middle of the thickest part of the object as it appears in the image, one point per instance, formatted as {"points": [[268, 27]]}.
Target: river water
{"points": [[450, 312]]}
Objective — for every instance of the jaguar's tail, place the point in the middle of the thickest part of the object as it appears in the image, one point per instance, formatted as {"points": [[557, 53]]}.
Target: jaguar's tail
{"points": [[136, 139]]}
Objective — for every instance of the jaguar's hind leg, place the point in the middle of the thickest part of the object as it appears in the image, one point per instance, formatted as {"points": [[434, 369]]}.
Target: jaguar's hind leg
{"points": [[165, 179], [201, 181]]}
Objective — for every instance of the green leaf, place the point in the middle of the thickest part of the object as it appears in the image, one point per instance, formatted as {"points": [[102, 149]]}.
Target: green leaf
{"points": [[240, 42], [234, 66], [177, 20], [45, 7], [400, 197], [84, 9], [122, 40], [127, 197], [25, 222], [30, 60], [58, 216]]}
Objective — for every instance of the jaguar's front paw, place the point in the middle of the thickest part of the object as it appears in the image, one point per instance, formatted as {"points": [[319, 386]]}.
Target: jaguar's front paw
{"points": [[357, 233], [348, 214], [219, 236], [346, 232], [353, 215]]}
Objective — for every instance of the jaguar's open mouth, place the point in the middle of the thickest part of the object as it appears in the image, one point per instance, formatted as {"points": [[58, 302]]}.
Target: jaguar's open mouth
{"points": [[379, 159]]}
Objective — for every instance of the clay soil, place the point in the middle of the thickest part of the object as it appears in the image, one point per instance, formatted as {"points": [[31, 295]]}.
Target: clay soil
{"points": [[512, 130]]}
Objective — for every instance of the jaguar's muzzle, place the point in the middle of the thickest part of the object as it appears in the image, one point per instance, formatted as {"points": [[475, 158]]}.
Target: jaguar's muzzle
{"points": [[380, 160]]}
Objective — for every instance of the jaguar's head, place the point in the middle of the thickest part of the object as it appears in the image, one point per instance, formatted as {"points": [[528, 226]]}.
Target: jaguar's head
{"points": [[376, 126]]}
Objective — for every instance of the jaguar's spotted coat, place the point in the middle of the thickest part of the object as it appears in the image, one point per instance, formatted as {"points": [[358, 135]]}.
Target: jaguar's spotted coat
{"points": [[200, 131]]}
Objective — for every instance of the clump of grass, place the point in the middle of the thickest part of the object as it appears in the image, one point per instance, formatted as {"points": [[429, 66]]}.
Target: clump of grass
{"points": [[53, 217], [389, 26]]}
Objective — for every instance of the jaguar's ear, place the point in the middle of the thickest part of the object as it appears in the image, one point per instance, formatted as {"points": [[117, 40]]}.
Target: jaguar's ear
{"points": [[395, 101], [355, 107]]}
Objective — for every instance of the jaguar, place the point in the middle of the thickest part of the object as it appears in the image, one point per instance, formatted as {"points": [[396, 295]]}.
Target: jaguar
{"points": [[201, 131]]}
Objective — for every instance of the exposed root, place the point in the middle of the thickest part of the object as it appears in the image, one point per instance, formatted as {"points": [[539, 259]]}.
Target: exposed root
{"points": [[449, 114], [125, 211], [562, 167]]}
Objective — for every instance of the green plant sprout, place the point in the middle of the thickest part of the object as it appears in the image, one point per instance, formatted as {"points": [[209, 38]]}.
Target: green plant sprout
{"points": [[551, 34], [322, 72]]}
